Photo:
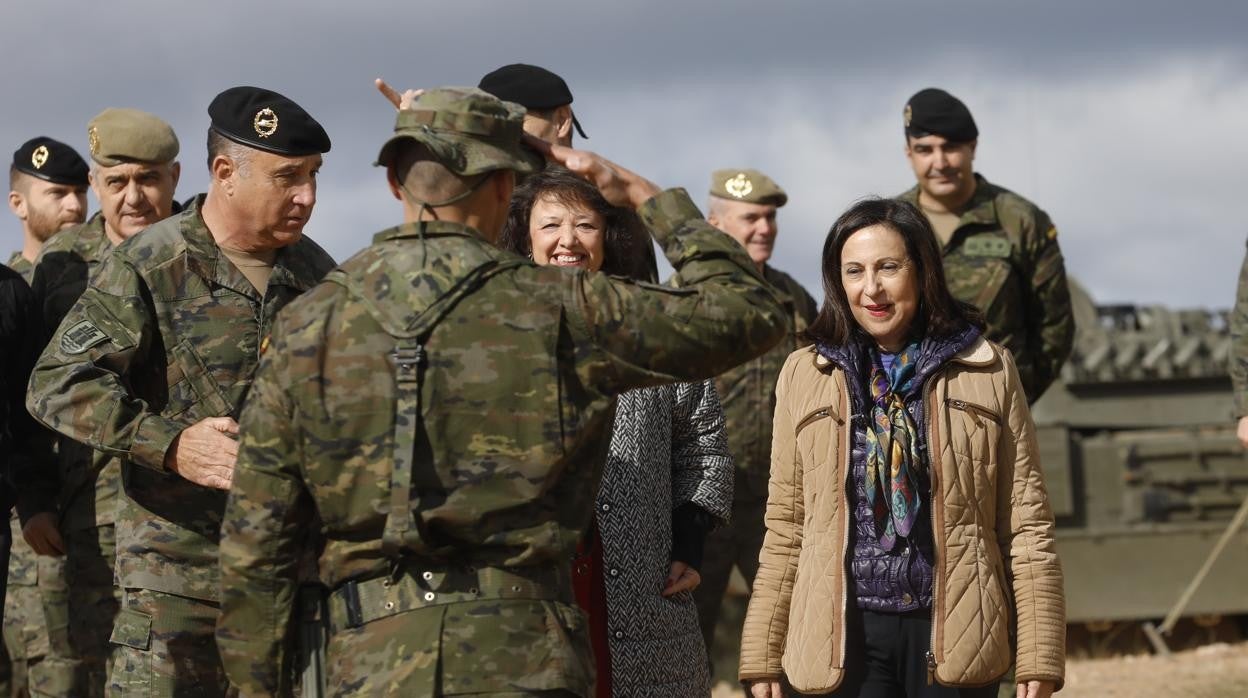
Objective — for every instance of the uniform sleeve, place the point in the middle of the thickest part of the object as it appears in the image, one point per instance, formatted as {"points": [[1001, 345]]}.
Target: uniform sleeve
{"points": [[633, 335], [1025, 534], [30, 446], [1053, 324], [266, 512], [81, 385], [1239, 343]]}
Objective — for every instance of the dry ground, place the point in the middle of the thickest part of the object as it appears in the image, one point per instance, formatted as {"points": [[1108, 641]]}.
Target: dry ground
{"points": [[1213, 671]]}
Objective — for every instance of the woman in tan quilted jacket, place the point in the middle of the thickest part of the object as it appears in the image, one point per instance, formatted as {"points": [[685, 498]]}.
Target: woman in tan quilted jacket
{"points": [[909, 547]]}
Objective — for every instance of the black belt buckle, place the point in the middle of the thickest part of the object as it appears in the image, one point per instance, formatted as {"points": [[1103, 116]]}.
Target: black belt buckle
{"points": [[351, 599]]}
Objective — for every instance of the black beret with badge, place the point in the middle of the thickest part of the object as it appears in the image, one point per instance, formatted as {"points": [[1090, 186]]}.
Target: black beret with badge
{"points": [[936, 112], [530, 86], [265, 120], [52, 161]]}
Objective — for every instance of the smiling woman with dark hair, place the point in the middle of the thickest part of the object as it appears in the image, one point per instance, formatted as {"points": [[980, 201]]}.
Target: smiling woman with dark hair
{"points": [[909, 548], [668, 478]]}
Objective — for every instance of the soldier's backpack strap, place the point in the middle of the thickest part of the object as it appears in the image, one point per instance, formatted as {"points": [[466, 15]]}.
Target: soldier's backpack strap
{"points": [[409, 360]]}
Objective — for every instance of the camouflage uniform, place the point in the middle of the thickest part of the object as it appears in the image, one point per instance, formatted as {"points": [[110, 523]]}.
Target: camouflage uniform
{"points": [[166, 334], [1238, 364], [80, 599], [1004, 259], [748, 394], [452, 469], [25, 630]]}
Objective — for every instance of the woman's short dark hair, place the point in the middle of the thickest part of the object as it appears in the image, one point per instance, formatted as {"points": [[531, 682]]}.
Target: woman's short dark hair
{"points": [[940, 314], [625, 241]]}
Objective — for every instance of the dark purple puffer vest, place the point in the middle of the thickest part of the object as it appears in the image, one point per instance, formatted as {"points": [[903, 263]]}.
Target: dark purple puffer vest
{"points": [[897, 580]]}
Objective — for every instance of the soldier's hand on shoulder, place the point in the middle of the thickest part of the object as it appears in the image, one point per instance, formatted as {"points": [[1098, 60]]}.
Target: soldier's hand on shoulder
{"points": [[42, 535], [619, 186], [205, 452]]}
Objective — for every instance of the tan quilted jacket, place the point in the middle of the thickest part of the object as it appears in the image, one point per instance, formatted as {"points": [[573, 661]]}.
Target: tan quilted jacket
{"points": [[998, 584]]}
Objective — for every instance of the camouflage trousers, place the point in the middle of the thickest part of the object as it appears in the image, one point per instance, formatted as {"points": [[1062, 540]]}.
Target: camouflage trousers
{"points": [[25, 624], [80, 604], [497, 648], [736, 544], [164, 646]]}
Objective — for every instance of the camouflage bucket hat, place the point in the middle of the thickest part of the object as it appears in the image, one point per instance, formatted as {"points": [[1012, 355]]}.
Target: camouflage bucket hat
{"points": [[468, 130]]}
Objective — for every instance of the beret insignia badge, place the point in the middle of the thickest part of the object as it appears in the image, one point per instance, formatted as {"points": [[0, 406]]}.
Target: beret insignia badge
{"points": [[40, 157], [265, 122], [907, 115], [93, 140], [739, 186]]}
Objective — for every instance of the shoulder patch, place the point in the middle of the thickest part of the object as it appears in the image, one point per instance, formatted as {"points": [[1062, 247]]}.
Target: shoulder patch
{"points": [[82, 337], [1052, 234]]}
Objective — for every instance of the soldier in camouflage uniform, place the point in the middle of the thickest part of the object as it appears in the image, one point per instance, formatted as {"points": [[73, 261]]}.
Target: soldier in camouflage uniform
{"points": [[443, 408], [47, 193], [1001, 252], [743, 204], [1239, 353], [152, 365]]}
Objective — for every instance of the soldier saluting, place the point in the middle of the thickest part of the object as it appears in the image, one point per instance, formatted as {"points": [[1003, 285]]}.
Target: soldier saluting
{"points": [[1000, 250], [443, 407], [155, 359]]}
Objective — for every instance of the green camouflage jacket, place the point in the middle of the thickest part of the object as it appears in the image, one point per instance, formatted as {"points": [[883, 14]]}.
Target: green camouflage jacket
{"points": [[1004, 259], [19, 264], [65, 264], [748, 392], [516, 408], [166, 334], [1238, 364]]}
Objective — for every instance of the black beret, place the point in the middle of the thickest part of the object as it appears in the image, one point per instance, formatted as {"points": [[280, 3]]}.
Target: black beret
{"points": [[51, 160], [939, 113], [264, 119], [531, 87]]}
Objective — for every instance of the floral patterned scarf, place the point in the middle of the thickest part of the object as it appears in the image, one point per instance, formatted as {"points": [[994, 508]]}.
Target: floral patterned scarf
{"points": [[892, 447]]}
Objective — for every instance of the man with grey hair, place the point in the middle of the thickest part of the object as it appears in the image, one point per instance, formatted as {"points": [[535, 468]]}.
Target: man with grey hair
{"points": [[71, 510], [154, 361], [743, 204]]}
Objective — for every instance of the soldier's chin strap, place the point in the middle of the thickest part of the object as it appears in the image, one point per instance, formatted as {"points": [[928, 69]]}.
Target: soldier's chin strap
{"points": [[422, 205]]}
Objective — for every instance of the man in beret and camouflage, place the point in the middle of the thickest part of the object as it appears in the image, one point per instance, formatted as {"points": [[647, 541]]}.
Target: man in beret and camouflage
{"points": [[47, 193], [442, 408], [153, 363], [72, 508], [545, 96], [1001, 252], [743, 204]]}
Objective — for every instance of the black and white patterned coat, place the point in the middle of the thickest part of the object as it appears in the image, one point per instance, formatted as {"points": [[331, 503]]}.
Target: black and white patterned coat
{"points": [[668, 448]]}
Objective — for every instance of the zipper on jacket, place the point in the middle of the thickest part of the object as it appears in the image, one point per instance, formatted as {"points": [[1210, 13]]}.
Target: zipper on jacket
{"points": [[811, 418], [972, 408], [933, 468]]}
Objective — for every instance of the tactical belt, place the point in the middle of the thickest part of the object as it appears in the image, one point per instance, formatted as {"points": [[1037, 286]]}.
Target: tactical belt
{"points": [[355, 603]]}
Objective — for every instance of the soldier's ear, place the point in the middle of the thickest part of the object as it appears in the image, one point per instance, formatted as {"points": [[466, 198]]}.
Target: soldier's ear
{"points": [[393, 181], [17, 204], [563, 123], [973, 145]]}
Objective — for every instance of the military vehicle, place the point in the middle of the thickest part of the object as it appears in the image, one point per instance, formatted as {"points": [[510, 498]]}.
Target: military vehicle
{"points": [[1144, 474]]}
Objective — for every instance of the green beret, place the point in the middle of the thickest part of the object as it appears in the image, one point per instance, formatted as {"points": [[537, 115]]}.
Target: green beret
{"points": [[52, 161], [750, 186], [118, 136], [934, 111], [265, 120], [468, 130]]}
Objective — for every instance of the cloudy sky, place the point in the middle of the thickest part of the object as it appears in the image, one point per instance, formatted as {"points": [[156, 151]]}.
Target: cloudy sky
{"points": [[1124, 119]]}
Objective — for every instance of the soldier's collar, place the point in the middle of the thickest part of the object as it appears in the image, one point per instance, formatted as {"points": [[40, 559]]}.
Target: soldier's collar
{"points": [[412, 230]]}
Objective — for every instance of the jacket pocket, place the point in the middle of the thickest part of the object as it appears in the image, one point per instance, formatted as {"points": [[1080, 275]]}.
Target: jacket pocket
{"points": [[192, 386], [132, 629], [975, 436]]}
